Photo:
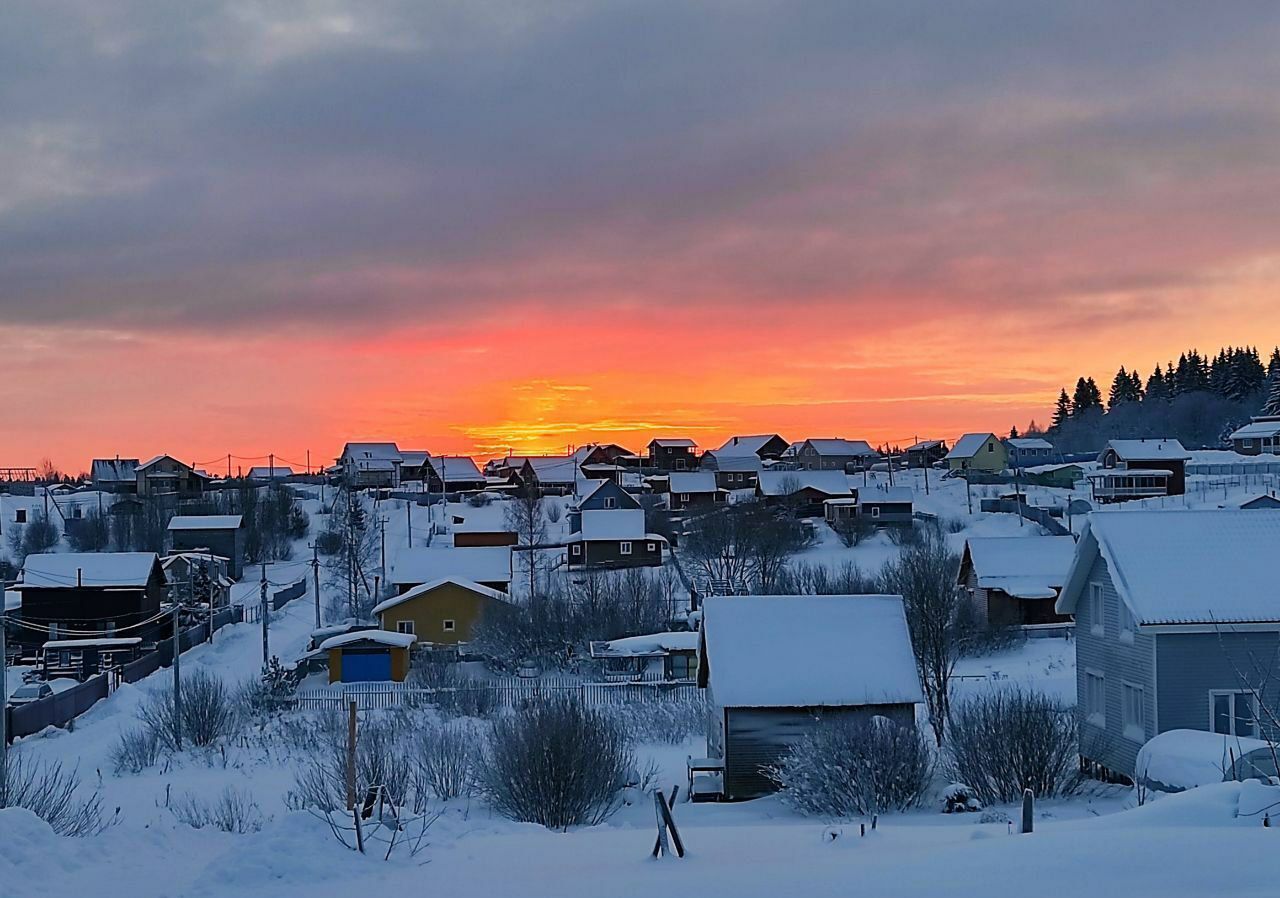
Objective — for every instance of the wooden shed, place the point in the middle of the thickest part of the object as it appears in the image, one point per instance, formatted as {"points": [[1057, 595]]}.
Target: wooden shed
{"points": [[774, 667], [367, 656]]}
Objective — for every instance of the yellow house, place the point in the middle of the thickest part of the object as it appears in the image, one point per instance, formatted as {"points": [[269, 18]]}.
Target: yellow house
{"points": [[442, 612], [363, 656], [978, 452]]}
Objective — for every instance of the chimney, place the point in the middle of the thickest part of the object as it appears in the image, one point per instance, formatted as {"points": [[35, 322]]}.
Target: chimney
{"points": [[79, 578]]}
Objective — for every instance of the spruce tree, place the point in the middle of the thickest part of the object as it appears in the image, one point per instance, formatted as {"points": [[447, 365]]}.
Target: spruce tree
{"points": [[1061, 411]]}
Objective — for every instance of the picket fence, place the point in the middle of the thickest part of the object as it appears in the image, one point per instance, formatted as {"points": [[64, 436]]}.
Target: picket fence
{"points": [[508, 692]]}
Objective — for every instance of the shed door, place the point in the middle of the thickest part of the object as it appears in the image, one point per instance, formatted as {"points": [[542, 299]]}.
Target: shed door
{"points": [[360, 666]]}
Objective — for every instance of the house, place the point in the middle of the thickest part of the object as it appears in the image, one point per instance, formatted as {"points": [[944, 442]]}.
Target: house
{"points": [[673, 455], [693, 490], [605, 454], [842, 510], [469, 534], [1014, 581], [926, 453], [733, 472], [853, 660], [551, 475], [413, 465], [371, 465], [270, 473], [185, 570], [654, 656], [1177, 626], [602, 495], [114, 475], [1138, 469], [91, 593], [612, 538], [221, 534], [1064, 476], [84, 658], [978, 452], [453, 474], [1025, 452], [442, 612], [886, 505], [835, 455], [761, 445], [1261, 436], [368, 656], [1265, 501], [489, 566], [166, 477], [806, 490]]}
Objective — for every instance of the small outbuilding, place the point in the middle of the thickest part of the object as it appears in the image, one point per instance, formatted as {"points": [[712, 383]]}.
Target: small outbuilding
{"points": [[887, 505], [220, 534], [368, 656]]}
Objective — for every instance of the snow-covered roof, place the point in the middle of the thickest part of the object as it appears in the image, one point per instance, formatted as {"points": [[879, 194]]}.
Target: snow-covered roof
{"points": [[64, 570], [371, 452], [925, 444], [554, 469], [1258, 428], [157, 458], [806, 651], [1147, 450], [456, 467], [381, 637], [674, 443], [838, 446], [897, 495], [747, 445], [169, 559], [1032, 567], [483, 564], [413, 458], [612, 524], [969, 445], [1184, 566], [436, 584], [1029, 443], [266, 472], [1049, 469], [723, 462], [108, 642], [692, 482], [647, 646], [205, 522], [114, 470], [784, 483], [12, 599]]}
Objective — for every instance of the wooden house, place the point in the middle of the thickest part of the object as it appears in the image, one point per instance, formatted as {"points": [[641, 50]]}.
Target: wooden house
{"points": [[1258, 503], [886, 505], [551, 475], [853, 659], [442, 612], [452, 474], [1062, 476], [166, 477], [1026, 452], [762, 445], [671, 656], [413, 465], [978, 452], [114, 475], [1015, 581], [733, 472], [268, 474], [1261, 436], [806, 491], [1177, 624], [673, 455], [695, 490], [489, 566], [370, 465], [185, 570], [368, 656], [1139, 469], [609, 537], [221, 534], [835, 455], [102, 594], [926, 453]]}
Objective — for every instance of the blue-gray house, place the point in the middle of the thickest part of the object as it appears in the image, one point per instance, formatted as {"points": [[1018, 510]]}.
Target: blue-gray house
{"points": [[1177, 627]]}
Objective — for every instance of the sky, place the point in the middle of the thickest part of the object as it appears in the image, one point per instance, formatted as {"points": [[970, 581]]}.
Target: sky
{"points": [[249, 227]]}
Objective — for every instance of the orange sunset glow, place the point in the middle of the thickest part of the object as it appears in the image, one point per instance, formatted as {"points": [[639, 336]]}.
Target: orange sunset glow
{"points": [[481, 232]]}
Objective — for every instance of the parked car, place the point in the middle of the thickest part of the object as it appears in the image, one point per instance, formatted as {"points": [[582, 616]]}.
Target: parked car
{"points": [[28, 693]]}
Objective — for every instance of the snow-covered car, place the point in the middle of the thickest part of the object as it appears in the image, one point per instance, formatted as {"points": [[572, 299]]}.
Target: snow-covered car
{"points": [[1177, 760], [28, 693]]}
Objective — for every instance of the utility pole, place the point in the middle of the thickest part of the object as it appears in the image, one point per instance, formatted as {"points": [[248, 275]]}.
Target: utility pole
{"points": [[382, 529], [271, 468], [4, 695], [968, 491], [262, 588], [315, 573], [228, 465], [177, 679], [408, 514], [308, 462]]}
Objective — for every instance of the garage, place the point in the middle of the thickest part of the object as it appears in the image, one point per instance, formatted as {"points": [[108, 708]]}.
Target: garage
{"points": [[368, 656]]}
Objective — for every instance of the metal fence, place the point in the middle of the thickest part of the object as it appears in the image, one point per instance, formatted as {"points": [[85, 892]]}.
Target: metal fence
{"points": [[57, 709], [509, 692]]}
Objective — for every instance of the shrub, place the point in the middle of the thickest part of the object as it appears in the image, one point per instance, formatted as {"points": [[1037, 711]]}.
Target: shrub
{"points": [[851, 768], [329, 542], [1013, 739], [208, 712], [446, 762], [457, 692], [52, 794], [670, 720], [479, 500], [553, 512], [232, 812], [557, 764], [135, 750]]}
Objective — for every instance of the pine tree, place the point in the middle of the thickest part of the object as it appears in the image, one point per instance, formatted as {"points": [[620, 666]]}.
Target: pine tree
{"points": [[1121, 387], [1272, 406], [1136, 390], [1013, 432], [1157, 386], [1062, 411]]}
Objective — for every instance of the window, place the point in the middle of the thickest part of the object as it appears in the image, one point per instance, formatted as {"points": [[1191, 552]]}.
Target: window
{"points": [[1095, 698], [20, 516], [404, 626], [991, 447], [1097, 608], [682, 667], [450, 626], [624, 548], [651, 547], [1233, 712], [875, 511], [1127, 623], [684, 497], [1133, 710], [610, 502], [577, 548], [109, 629]]}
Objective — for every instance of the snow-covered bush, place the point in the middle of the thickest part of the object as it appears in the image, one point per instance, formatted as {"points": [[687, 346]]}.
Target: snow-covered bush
{"points": [[1012, 739], [135, 750], [445, 765], [52, 794], [209, 712], [558, 764], [456, 692], [670, 720], [554, 512], [852, 768], [958, 799], [232, 812]]}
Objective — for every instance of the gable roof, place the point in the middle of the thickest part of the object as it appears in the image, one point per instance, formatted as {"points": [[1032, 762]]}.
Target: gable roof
{"points": [[838, 446], [925, 444], [379, 637], [554, 468], [749, 445], [848, 651], [1033, 567], [595, 486], [455, 467], [421, 564], [67, 570], [205, 522], [611, 524], [266, 472], [651, 645], [1266, 426], [896, 495], [413, 458], [1185, 566], [969, 445], [371, 456], [114, 470], [424, 589], [158, 458], [778, 483], [674, 443], [692, 482], [1147, 450], [1029, 443], [718, 461]]}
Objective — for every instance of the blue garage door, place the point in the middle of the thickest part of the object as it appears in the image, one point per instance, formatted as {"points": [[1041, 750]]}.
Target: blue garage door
{"points": [[359, 667]]}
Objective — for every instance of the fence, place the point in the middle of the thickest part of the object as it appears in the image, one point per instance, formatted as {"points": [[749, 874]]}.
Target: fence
{"points": [[1036, 514], [509, 692], [57, 709], [252, 612]]}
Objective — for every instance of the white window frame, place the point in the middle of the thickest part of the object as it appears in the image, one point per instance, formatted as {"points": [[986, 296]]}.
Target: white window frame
{"points": [[624, 548], [684, 497], [449, 625], [577, 549], [610, 502], [1097, 609], [1128, 623], [651, 547], [1133, 711], [875, 511], [405, 626], [1235, 694], [1093, 713]]}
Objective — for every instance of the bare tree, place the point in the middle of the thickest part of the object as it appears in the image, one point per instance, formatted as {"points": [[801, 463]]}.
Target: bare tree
{"points": [[38, 535], [747, 543], [526, 518], [356, 546]]}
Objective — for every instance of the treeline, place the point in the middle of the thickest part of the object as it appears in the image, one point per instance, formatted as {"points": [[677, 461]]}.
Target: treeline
{"points": [[1199, 400]]}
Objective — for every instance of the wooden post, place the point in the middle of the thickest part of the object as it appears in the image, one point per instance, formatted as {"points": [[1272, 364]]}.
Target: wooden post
{"points": [[351, 756], [1028, 810], [661, 848]]}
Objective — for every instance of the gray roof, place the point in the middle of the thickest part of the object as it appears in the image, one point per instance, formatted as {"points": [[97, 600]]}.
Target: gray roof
{"points": [[969, 445]]}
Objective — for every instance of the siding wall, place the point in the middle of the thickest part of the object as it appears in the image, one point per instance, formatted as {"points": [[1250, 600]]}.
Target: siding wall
{"points": [[1189, 665], [1118, 662]]}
